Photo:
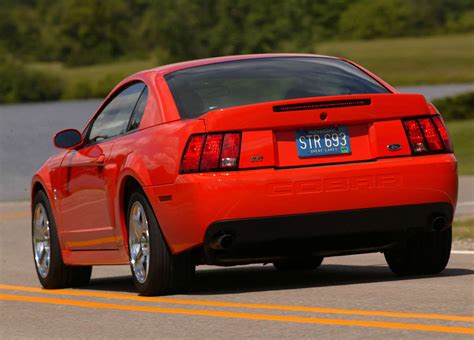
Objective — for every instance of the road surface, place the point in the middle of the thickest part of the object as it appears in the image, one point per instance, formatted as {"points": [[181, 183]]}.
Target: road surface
{"points": [[348, 297], [437, 91]]}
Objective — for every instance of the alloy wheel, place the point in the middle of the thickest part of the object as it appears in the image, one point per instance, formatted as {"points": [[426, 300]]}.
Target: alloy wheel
{"points": [[41, 240], [139, 242]]}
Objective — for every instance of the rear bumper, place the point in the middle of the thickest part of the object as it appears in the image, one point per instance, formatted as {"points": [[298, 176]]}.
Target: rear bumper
{"points": [[195, 202], [322, 234]]}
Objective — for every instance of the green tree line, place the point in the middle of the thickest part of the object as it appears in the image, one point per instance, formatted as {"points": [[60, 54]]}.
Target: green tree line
{"points": [[86, 32], [81, 32]]}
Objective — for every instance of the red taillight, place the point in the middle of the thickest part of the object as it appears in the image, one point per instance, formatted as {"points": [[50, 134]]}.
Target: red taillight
{"points": [[211, 152], [427, 135], [415, 136], [443, 132], [192, 154], [230, 151], [431, 134]]}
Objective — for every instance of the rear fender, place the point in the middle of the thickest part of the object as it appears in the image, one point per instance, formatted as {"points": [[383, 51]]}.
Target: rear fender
{"points": [[135, 168], [151, 157]]}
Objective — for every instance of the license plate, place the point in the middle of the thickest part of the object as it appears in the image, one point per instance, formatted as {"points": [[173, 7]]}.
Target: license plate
{"points": [[320, 142]]}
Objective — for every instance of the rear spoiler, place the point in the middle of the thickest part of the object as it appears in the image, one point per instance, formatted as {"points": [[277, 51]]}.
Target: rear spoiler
{"points": [[346, 109]]}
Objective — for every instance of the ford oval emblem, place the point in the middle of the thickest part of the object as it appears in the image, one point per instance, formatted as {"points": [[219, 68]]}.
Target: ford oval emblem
{"points": [[394, 147]]}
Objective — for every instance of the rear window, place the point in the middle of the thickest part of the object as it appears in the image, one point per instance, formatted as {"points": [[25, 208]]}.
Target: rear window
{"points": [[198, 90]]}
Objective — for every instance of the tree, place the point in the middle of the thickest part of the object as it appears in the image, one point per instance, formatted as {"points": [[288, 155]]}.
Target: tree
{"points": [[87, 31], [369, 19]]}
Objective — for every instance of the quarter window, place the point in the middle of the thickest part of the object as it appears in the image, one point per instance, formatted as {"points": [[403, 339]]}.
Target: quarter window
{"points": [[114, 117], [139, 111]]}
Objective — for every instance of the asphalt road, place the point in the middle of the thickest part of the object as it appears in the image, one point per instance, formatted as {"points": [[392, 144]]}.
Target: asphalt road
{"points": [[437, 91], [348, 297]]}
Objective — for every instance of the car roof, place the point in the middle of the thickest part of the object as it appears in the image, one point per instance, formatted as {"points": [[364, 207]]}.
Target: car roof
{"points": [[165, 69]]}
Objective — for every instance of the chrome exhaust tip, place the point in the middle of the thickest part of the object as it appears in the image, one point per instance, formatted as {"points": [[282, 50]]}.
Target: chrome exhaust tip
{"points": [[222, 242], [439, 223]]}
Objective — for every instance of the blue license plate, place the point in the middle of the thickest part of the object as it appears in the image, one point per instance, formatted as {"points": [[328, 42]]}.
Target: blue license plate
{"points": [[320, 142]]}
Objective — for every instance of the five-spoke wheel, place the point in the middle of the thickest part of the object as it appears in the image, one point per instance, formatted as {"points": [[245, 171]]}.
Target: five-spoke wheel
{"points": [[52, 272], [155, 270], [41, 240], [139, 241]]}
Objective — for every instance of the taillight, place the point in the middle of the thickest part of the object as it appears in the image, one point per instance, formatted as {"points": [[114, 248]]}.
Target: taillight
{"points": [[431, 134], [415, 136], [427, 135], [230, 151], [211, 152], [443, 132], [192, 154]]}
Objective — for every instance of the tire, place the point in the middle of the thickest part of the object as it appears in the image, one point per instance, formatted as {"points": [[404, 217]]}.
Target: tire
{"points": [[155, 270], [298, 264], [50, 268], [426, 253]]}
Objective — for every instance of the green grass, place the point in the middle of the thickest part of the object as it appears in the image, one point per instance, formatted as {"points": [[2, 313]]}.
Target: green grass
{"points": [[400, 61], [93, 72], [462, 134], [463, 229], [100, 78], [409, 61]]}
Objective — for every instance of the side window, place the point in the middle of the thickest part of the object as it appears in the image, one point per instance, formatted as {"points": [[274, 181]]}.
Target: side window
{"points": [[139, 110], [114, 117]]}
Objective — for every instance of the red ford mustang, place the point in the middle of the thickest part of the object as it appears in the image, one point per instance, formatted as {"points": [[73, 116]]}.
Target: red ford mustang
{"points": [[277, 158]]}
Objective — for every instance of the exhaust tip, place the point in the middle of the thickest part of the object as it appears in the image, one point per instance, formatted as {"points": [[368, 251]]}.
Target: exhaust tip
{"points": [[222, 242], [439, 223], [226, 241]]}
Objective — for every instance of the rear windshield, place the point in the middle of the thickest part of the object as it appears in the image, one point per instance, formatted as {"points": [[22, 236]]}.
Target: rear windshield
{"points": [[198, 90]]}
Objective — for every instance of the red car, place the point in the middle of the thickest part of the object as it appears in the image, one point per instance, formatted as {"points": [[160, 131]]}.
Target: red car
{"points": [[278, 158]]}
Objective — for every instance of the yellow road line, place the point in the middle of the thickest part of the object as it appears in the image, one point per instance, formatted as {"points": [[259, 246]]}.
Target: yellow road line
{"points": [[14, 215], [239, 305], [267, 317]]}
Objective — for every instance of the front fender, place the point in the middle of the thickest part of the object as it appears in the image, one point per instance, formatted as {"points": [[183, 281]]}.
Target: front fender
{"points": [[42, 181], [47, 178]]}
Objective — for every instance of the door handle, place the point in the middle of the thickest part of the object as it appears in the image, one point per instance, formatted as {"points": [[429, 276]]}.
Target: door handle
{"points": [[101, 159]]}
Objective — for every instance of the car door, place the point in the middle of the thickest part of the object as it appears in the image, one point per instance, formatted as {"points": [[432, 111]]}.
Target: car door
{"points": [[88, 177]]}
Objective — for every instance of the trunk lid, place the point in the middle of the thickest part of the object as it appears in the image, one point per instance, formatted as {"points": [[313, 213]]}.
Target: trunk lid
{"points": [[270, 130]]}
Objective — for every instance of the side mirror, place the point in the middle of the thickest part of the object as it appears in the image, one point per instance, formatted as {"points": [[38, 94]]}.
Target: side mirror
{"points": [[68, 139]]}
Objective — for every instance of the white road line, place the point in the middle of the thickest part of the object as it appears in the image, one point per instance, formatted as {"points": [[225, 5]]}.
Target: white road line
{"points": [[464, 252], [465, 204]]}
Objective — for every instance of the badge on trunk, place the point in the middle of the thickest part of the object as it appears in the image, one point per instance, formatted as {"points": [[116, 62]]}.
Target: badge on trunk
{"points": [[394, 147]]}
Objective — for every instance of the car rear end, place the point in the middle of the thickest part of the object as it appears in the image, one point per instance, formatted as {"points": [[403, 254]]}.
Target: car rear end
{"points": [[310, 175]]}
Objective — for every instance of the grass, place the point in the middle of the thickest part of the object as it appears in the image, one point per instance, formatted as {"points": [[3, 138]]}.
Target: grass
{"points": [[93, 72], [463, 229], [411, 61], [462, 134], [100, 78], [400, 61]]}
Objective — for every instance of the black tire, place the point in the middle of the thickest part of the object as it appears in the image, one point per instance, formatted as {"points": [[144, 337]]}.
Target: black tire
{"points": [[426, 253], [58, 275], [167, 273], [299, 264]]}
